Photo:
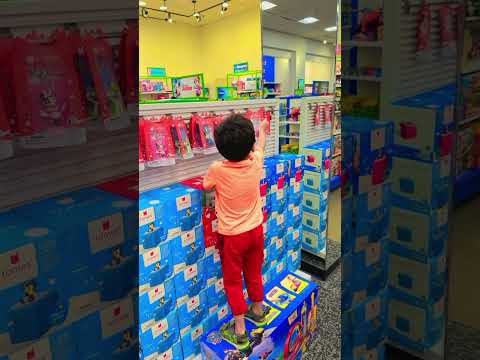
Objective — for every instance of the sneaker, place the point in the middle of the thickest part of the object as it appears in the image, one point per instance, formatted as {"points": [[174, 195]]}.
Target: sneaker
{"points": [[241, 342], [259, 320]]}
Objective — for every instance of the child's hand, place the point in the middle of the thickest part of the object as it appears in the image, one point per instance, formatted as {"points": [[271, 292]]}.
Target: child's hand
{"points": [[264, 126]]}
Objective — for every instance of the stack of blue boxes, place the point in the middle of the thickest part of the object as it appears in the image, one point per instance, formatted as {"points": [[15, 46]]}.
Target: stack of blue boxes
{"points": [[282, 192], [181, 293], [315, 202], [68, 278], [366, 197], [419, 219]]}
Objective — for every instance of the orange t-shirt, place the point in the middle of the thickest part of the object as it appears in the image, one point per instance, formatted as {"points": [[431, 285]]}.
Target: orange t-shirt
{"points": [[237, 193]]}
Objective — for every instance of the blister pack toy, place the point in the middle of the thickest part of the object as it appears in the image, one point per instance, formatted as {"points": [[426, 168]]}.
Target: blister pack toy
{"points": [[6, 87], [179, 134], [159, 147], [129, 64], [207, 128], [43, 75], [195, 133]]}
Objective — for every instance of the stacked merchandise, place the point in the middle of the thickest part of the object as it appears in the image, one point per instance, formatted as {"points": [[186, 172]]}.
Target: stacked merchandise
{"points": [[180, 277], [365, 229], [315, 202], [421, 185], [68, 278]]}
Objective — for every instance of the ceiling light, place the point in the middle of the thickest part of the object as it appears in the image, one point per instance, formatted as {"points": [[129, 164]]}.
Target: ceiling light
{"points": [[169, 19], [225, 5], [222, 12], [267, 5], [164, 6], [331, 28], [325, 41], [308, 20], [142, 3]]}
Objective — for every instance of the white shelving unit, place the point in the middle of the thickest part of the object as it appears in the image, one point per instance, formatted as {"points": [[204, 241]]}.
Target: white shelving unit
{"points": [[198, 165]]}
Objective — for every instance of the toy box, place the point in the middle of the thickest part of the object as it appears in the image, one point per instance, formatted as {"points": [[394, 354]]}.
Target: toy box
{"points": [[213, 265], [190, 281], [158, 336], [216, 295], [292, 322], [415, 282], [155, 264], [191, 342], [316, 155], [418, 235], [366, 342], [416, 327], [217, 317], [315, 222], [187, 248], [317, 182], [294, 260], [110, 333], [294, 238], [315, 203], [368, 310], [193, 311], [421, 185], [156, 301], [314, 241], [294, 216]]}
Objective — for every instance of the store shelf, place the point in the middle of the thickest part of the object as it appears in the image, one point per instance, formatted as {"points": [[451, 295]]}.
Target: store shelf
{"points": [[362, 78], [47, 172], [289, 122], [365, 44], [271, 83], [467, 185], [289, 136], [469, 119]]}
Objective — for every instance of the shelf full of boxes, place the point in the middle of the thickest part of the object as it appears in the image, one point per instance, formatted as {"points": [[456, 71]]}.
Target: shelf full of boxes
{"points": [[82, 237], [177, 217]]}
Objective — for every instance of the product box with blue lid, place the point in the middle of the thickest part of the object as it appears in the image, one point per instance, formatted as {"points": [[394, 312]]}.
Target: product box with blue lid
{"points": [[295, 192], [315, 203], [155, 264], [217, 317], [187, 248], [291, 324], [110, 333], [296, 163], [156, 301], [416, 328], [421, 185], [151, 230], [182, 207], [193, 311], [190, 281], [418, 235]]}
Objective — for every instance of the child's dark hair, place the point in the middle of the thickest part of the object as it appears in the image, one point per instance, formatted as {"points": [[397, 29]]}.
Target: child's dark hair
{"points": [[235, 137]]}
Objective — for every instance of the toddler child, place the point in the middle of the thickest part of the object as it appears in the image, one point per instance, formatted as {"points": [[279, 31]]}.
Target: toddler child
{"points": [[239, 211]]}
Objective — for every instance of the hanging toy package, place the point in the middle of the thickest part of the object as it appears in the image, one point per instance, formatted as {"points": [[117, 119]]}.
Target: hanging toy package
{"points": [[424, 28], [268, 119], [159, 147], [195, 133], [100, 58], [207, 128], [329, 111], [218, 120], [6, 146], [129, 66], [447, 15], [141, 146], [6, 85], [256, 117], [47, 94], [179, 133]]}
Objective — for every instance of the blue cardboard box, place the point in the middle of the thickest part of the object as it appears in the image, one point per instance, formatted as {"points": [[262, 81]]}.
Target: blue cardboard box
{"points": [[292, 322], [190, 281], [316, 154], [155, 264], [187, 248], [156, 301], [193, 311]]}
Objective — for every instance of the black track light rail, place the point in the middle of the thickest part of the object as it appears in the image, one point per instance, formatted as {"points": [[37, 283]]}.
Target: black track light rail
{"points": [[182, 15]]}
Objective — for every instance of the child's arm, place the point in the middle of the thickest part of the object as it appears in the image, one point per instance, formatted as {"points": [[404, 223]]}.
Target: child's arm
{"points": [[260, 145], [209, 179]]}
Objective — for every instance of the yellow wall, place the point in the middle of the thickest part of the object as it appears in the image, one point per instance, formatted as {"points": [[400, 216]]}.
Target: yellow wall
{"points": [[210, 49], [173, 46]]}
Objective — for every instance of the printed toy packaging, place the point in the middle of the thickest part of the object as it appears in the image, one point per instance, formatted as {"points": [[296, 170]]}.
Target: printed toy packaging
{"points": [[6, 86], [43, 73], [292, 322], [129, 64], [159, 147], [179, 133]]}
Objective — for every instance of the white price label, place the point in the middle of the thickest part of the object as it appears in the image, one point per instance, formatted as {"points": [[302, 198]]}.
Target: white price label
{"points": [[280, 168], [159, 328], [151, 257]]}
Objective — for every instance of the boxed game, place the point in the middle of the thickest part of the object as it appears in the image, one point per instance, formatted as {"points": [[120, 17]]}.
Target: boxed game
{"points": [[292, 323]]}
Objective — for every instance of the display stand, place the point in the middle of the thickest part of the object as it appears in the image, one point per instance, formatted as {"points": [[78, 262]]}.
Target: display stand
{"points": [[198, 165], [247, 83]]}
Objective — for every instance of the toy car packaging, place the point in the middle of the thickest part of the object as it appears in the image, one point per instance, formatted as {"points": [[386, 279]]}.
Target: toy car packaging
{"points": [[291, 303], [159, 148], [100, 58], [45, 86]]}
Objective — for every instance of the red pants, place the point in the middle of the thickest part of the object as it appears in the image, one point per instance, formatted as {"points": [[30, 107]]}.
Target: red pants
{"points": [[242, 253]]}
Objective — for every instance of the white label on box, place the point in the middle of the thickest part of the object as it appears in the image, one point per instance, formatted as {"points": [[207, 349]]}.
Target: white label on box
{"points": [[173, 233], [375, 198], [215, 225], [448, 115], [156, 293], [296, 187], [296, 211], [106, 232], [213, 310], [279, 243], [294, 255], [159, 328], [274, 188], [222, 312], [372, 255], [298, 163], [184, 202], [188, 238], [280, 219], [193, 303], [37, 351], [361, 243], [151, 256], [146, 216], [280, 194], [216, 256], [296, 234], [280, 168], [117, 318], [190, 272], [147, 325], [442, 216], [197, 332], [280, 267], [445, 166], [377, 139], [219, 287], [372, 309], [18, 266], [167, 355]]}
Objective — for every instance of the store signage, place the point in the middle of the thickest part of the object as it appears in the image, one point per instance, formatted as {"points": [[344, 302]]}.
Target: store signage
{"points": [[188, 86], [268, 68], [242, 67], [154, 71]]}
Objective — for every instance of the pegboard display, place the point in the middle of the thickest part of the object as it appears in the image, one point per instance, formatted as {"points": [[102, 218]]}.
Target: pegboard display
{"points": [[312, 129], [184, 169], [408, 71]]}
